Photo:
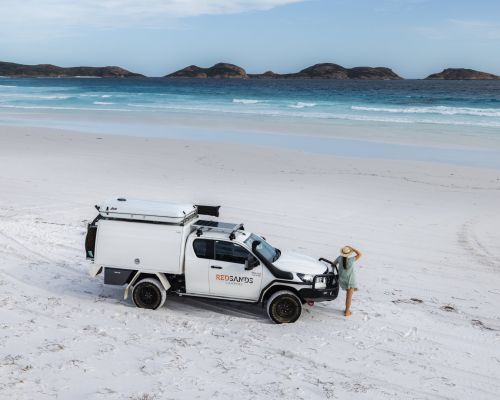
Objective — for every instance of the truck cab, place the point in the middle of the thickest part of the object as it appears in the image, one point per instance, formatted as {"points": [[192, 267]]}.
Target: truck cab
{"points": [[220, 267], [158, 250]]}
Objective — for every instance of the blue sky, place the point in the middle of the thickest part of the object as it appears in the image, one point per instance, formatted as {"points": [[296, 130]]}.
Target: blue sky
{"points": [[155, 37]]}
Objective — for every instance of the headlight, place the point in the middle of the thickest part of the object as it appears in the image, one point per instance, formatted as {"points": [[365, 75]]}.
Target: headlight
{"points": [[306, 277], [320, 283]]}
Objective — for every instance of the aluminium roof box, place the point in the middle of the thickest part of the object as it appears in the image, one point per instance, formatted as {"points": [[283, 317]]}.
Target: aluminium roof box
{"points": [[147, 210]]}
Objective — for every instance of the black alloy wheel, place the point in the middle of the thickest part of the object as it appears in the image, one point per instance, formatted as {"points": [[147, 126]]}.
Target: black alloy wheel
{"points": [[148, 294], [284, 307]]}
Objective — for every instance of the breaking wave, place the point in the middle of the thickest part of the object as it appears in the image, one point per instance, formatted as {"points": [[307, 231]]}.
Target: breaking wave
{"points": [[441, 110], [102, 96], [35, 96], [62, 108], [400, 119], [53, 97], [247, 101], [302, 105]]}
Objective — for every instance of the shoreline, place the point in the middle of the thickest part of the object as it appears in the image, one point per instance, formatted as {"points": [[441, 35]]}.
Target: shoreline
{"points": [[454, 145], [427, 172]]}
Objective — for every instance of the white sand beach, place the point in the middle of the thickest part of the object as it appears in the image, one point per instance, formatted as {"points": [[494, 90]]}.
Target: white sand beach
{"points": [[425, 323]]}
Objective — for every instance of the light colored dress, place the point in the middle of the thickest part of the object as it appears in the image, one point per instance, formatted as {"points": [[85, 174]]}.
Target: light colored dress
{"points": [[347, 275]]}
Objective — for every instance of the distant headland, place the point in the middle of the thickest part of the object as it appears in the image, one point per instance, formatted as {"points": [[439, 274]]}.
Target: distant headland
{"points": [[53, 71], [463, 74], [231, 71]]}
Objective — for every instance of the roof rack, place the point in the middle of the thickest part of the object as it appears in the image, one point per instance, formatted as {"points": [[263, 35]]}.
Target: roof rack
{"points": [[215, 226]]}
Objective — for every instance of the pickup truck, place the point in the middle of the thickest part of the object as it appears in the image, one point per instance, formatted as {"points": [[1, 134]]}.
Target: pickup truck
{"points": [[155, 249]]}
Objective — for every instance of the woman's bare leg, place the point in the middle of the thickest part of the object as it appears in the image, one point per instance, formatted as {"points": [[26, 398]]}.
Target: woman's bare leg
{"points": [[348, 301]]}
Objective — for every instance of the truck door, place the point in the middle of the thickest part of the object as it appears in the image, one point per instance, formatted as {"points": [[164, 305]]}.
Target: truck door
{"points": [[199, 256], [228, 277]]}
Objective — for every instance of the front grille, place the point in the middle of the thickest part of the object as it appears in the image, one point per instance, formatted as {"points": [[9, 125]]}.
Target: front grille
{"points": [[331, 281]]}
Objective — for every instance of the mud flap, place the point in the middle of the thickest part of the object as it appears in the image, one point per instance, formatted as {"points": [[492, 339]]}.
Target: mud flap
{"points": [[164, 281], [134, 279]]}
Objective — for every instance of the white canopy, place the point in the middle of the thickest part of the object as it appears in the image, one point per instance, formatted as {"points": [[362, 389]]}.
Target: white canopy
{"points": [[146, 210]]}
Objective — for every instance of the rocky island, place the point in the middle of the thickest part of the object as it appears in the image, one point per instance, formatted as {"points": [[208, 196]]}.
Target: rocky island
{"points": [[318, 71], [333, 71], [53, 71], [462, 74]]}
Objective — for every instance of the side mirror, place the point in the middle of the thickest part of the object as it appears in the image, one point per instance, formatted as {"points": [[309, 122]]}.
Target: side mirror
{"points": [[251, 262], [255, 244]]}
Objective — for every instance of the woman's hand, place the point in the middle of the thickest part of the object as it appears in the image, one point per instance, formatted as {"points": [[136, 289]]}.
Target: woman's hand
{"points": [[358, 253]]}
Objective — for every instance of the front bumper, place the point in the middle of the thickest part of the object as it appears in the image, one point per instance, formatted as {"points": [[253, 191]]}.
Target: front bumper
{"points": [[327, 292]]}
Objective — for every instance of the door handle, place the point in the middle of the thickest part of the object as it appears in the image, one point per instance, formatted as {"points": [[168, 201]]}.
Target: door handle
{"points": [[215, 267]]}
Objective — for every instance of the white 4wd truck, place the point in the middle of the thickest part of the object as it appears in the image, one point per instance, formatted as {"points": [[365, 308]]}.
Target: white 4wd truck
{"points": [[156, 249]]}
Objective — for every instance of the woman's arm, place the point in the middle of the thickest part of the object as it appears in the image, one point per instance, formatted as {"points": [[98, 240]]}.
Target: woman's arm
{"points": [[358, 253]]}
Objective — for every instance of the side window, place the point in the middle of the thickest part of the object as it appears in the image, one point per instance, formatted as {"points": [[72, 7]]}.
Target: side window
{"points": [[230, 252], [203, 248]]}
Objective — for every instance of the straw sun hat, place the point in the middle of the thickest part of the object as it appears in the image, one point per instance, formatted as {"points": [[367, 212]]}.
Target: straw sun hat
{"points": [[346, 251]]}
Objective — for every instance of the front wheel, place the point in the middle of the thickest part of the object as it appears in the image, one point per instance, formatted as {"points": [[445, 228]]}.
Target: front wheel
{"points": [[284, 307], [149, 293]]}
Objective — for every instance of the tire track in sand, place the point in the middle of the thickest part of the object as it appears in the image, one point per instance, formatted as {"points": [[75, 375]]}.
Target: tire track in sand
{"points": [[468, 240]]}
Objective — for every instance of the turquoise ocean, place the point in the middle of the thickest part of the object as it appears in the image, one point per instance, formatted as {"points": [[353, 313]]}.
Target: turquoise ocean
{"points": [[471, 103], [413, 106]]}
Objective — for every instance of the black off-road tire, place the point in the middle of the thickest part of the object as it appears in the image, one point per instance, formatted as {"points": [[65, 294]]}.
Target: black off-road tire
{"points": [[284, 307], [149, 293]]}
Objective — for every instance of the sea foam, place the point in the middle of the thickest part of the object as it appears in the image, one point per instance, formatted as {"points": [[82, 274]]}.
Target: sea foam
{"points": [[301, 104], [247, 101], [62, 108], [442, 110]]}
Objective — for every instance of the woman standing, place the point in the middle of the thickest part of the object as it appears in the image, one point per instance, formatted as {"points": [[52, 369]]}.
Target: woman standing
{"points": [[347, 274]]}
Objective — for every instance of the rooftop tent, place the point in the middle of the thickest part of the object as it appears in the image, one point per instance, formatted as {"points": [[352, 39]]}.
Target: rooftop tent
{"points": [[147, 210]]}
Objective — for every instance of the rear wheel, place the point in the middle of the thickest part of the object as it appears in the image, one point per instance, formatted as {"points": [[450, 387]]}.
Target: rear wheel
{"points": [[284, 307], [149, 293]]}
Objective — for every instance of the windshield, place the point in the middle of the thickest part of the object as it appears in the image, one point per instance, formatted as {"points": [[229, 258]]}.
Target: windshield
{"points": [[264, 248]]}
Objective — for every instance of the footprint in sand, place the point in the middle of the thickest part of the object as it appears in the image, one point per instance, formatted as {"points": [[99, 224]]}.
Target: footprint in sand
{"points": [[408, 301]]}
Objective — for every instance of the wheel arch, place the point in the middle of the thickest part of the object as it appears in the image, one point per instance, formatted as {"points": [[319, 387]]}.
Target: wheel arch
{"points": [[142, 275], [149, 293], [268, 292]]}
